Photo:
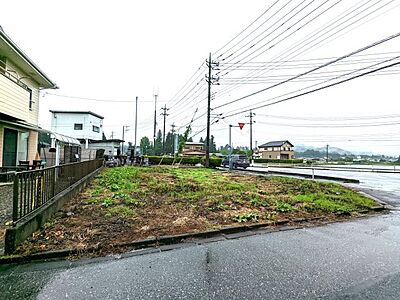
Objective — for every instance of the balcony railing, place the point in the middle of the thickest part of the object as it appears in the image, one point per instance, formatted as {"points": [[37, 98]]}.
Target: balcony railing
{"points": [[10, 75]]}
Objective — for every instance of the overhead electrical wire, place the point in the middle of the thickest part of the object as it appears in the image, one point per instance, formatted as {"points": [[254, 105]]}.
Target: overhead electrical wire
{"points": [[316, 89], [253, 22], [315, 37], [314, 69]]}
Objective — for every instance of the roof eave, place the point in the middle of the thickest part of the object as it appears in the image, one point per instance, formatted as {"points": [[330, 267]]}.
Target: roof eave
{"points": [[46, 81]]}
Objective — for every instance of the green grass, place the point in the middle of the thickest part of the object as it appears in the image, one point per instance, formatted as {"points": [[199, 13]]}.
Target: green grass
{"points": [[121, 211], [120, 189]]}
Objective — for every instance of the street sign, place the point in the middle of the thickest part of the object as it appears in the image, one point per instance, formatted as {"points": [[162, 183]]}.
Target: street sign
{"points": [[241, 125]]}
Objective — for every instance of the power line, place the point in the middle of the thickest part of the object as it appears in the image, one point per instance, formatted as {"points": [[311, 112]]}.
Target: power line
{"points": [[315, 37], [317, 89], [315, 69], [97, 99], [268, 9], [341, 118]]}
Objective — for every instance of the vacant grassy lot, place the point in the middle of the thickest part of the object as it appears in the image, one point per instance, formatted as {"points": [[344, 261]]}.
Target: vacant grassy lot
{"points": [[130, 203]]}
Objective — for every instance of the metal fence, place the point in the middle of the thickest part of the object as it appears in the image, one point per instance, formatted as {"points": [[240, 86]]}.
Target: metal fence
{"points": [[33, 189]]}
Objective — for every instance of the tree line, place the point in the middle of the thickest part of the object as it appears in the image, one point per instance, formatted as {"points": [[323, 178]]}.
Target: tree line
{"points": [[148, 147]]}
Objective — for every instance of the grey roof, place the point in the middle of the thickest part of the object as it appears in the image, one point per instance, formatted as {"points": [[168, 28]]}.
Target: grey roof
{"points": [[276, 144], [76, 112]]}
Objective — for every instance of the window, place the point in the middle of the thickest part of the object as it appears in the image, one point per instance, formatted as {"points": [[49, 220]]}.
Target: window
{"points": [[96, 128], [30, 98], [78, 126]]}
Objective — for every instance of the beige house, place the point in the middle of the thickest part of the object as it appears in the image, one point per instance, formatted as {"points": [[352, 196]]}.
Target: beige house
{"points": [[194, 149], [20, 83], [277, 150]]}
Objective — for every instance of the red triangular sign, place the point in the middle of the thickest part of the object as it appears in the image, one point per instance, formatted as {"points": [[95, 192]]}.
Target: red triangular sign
{"points": [[241, 125]]}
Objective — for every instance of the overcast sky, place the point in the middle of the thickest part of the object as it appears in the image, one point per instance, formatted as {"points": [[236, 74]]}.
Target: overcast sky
{"points": [[117, 50]]}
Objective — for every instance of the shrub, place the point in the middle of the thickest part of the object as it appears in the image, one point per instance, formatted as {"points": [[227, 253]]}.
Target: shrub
{"points": [[191, 161], [282, 161]]}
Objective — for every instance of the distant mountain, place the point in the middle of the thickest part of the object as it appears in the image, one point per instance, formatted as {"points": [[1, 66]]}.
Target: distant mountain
{"points": [[305, 151], [332, 150]]}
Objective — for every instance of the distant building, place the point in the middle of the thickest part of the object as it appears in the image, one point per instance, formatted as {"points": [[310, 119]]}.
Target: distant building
{"points": [[110, 146], [85, 126], [20, 82], [194, 149], [277, 150]]}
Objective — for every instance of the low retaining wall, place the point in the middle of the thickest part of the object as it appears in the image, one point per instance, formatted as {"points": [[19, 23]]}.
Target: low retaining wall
{"points": [[25, 227]]}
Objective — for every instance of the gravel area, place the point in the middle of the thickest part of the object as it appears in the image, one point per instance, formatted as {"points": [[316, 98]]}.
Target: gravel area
{"points": [[6, 195]]}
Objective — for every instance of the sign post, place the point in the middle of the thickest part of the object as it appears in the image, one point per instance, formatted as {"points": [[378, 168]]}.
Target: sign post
{"points": [[230, 143]]}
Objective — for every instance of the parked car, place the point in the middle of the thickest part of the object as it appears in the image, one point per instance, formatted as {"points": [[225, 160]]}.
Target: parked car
{"points": [[238, 161]]}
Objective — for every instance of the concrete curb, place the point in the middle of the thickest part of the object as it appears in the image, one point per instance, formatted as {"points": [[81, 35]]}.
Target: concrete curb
{"points": [[302, 175], [163, 243]]}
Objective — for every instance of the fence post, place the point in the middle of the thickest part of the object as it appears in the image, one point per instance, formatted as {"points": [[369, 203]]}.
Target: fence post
{"points": [[15, 199], [53, 182]]}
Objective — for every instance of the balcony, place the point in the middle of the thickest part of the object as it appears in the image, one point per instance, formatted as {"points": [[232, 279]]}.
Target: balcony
{"points": [[14, 96]]}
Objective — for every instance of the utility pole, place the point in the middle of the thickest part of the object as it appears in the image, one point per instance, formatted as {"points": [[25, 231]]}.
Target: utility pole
{"points": [[210, 80], [112, 134], [134, 150], [123, 139], [164, 113], [173, 139], [251, 115], [155, 120], [327, 153], [124, 128]]}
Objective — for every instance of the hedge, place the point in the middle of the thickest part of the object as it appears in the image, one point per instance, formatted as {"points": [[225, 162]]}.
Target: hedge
{"points": [[282, 161], [191, 161]]}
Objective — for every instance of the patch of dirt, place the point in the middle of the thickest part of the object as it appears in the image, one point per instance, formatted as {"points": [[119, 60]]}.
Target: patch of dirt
{"points": [[85, 221]]}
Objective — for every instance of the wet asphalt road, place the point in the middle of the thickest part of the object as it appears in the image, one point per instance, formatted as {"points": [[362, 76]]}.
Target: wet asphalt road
{"points": [[351, 260]]}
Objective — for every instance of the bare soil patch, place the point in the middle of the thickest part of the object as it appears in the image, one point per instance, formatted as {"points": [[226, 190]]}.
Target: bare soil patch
{"points": [[132, 203]]}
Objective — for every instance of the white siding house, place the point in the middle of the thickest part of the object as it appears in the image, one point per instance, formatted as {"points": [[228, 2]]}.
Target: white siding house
{"points": [[20, 82], [82, 125]]}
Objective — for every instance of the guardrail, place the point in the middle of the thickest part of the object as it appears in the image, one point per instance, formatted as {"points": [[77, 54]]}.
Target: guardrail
{"points": [[33, 189]]}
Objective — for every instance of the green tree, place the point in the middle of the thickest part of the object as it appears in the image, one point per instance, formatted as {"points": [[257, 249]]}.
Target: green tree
{"points": [[158, 148], [190, 139], [183, 139], [169, 142], [145, 146], [213, 146]]}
